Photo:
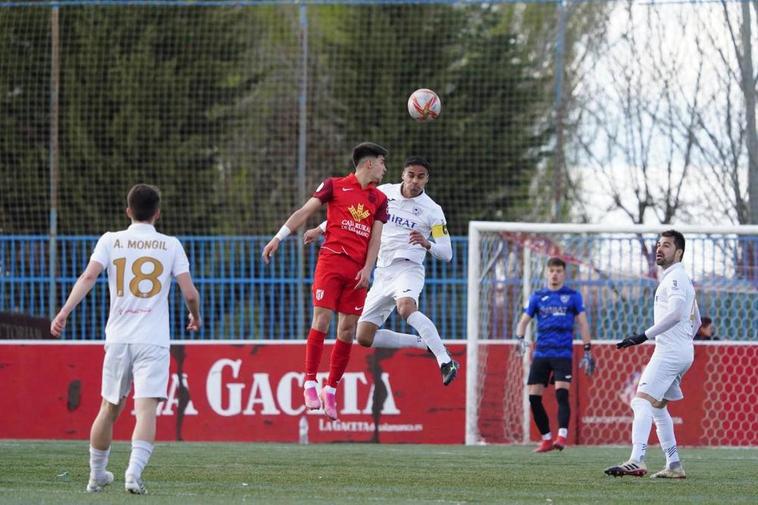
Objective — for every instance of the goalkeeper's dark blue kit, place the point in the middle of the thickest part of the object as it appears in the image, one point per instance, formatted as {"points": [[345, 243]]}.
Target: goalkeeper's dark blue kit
{"points": [[555, 312]]}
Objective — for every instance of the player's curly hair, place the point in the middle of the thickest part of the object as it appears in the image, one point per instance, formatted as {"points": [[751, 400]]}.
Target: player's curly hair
{"points": [[144, 200]]}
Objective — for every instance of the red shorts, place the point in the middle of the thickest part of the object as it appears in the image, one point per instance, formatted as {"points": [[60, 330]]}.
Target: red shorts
{"points": [[334, 285]]}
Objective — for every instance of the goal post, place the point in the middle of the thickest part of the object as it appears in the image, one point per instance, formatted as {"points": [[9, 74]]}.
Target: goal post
{"points": [[613, 267]]}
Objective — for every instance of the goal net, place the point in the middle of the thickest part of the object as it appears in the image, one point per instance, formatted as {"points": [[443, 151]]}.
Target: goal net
{"points": [[614, 269]]}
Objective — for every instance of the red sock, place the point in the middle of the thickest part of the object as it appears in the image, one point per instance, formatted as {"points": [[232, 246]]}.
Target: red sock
{"points": [[338, 362], [313, 349]]}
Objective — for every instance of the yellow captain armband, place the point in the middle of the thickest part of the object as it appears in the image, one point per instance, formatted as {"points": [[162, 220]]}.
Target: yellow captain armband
{"points": [[439, 230]]}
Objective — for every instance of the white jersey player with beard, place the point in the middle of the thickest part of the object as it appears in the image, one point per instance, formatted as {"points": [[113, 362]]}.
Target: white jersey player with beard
{"points": [[400, 272], [677, 318]]}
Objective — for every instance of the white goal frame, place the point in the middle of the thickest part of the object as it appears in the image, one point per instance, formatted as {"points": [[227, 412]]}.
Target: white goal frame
{"points": [[474, 271]]}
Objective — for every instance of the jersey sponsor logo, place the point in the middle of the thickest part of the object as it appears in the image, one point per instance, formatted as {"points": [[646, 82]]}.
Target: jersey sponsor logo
{"points": [[406, 290], [319, 294], [400, 221], [568, 377], [359, 229], [347, 189], [565, 298], [359, 213], [544, 298], [359, 308], [439, 230]]}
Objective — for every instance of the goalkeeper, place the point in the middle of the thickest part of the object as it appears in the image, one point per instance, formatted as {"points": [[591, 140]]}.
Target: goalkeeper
{"points": [[556, 308]]}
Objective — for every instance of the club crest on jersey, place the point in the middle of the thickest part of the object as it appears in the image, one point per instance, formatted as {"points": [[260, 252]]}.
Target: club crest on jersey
{"points": [[319, 294], [416, 211], [359, 213], [565, 298]]}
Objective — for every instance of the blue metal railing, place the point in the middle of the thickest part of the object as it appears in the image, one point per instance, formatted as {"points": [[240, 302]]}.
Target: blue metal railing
{"points": [[242, 298]]}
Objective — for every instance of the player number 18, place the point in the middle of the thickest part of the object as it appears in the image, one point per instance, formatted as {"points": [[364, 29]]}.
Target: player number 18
{"points": [[139, 276]]}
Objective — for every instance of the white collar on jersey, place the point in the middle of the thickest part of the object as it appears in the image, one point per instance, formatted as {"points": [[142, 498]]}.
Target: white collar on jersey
{"points": [[141, 227], [670, 269]]}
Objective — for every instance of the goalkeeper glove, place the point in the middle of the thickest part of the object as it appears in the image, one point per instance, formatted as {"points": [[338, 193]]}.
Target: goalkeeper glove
{"points": [[523, 346], [631, 340], [588, 362]]}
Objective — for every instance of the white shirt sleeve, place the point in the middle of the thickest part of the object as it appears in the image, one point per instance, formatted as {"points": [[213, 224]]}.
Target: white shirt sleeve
{"points": [[181, 263], [102, 251], [442, 247], [677, 308]]}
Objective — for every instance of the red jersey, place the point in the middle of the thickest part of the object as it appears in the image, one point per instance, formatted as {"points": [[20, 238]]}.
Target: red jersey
{"points": [[350, 214]]}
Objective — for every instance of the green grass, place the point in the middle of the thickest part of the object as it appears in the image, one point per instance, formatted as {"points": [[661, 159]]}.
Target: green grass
{"points": [[52, 472]]}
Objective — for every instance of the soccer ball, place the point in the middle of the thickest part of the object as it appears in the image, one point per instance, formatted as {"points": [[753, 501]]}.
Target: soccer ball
{"points": [[424, 105]]}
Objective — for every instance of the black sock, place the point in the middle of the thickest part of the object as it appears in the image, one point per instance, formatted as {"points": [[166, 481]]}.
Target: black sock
{"points": [[564, 409], [539, 414]]}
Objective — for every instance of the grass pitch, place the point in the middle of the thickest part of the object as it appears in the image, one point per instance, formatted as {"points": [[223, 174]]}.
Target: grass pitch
{"points": [[52, 472]]}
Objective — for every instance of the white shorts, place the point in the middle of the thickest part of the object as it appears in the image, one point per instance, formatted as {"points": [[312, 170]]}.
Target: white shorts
{"points": [[662, 378], [146, 365], [401, 279]]}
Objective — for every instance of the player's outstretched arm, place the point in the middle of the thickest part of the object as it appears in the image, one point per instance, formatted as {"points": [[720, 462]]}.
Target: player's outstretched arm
{"points": [[83, 286], [295, 221], [191, 299]]}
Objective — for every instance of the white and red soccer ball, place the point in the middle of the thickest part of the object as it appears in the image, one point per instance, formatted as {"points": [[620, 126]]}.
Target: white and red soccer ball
{"points": [[424, 105]]}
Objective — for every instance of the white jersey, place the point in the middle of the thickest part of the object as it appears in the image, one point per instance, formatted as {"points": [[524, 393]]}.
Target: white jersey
{"points": [[406, 214], [140, 264], [675, 286]]}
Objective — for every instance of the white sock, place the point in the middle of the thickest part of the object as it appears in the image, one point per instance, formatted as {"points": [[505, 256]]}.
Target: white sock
{"points": [[141, 452], [643, 421], [664, 426], [425, 327], [388, 339], [98, 461], [310, 384], [547, 436], [563, 432]]}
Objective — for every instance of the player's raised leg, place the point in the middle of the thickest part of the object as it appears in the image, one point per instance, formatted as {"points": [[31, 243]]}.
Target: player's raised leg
{"points": [[314, 348], [346, 324], [428, 331]]}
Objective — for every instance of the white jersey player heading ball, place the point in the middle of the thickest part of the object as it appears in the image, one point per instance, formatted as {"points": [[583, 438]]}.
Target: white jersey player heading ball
{"points": [[676, 318], [140, 264], [399, 275]]}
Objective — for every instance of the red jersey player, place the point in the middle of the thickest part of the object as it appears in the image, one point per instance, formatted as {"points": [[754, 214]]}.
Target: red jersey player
{"points": [[355, 214]]}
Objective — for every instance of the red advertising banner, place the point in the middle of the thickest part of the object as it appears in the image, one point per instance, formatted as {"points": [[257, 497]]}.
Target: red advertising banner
{"points": [[237, 392], [253, 392]]}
